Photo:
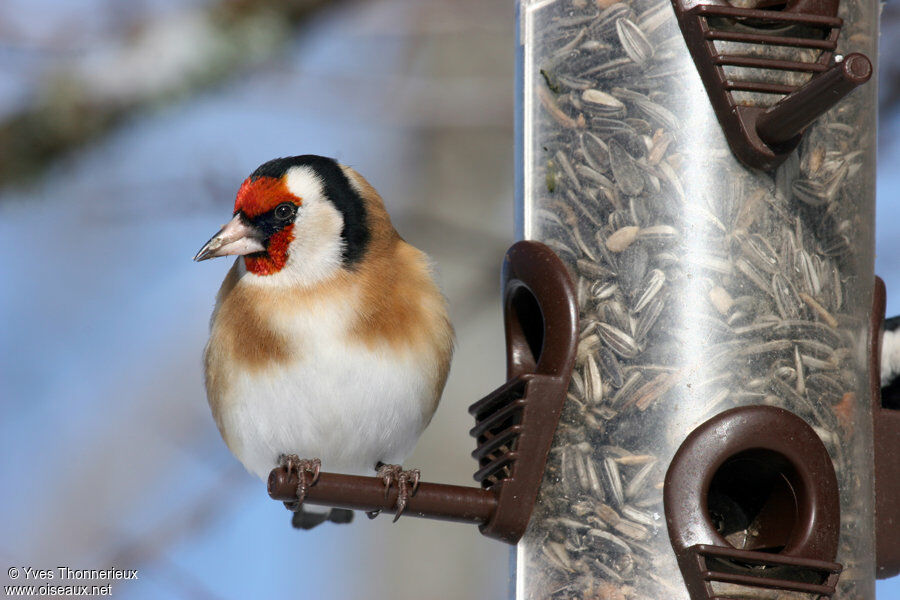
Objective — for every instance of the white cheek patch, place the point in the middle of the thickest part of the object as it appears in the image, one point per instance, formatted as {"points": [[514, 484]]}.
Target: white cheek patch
{"points": [[316, 252]]}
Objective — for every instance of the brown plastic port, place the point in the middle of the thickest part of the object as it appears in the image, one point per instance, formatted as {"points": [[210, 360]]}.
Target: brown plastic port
{"points": [[887, 454], [541, 322], [751, 499], [763, 137], [514, 424]]}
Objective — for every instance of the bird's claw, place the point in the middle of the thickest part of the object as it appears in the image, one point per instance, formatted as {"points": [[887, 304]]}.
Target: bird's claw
{"points": [[407, 484], [414, 475], [388, 474], [307, 472]]}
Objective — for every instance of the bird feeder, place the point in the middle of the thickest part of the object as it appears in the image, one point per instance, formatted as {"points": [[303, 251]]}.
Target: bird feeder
{"points": [[705, 170]]}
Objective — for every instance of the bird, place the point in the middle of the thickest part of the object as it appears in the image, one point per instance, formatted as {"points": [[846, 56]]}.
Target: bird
{"points": [[890, 364], [329, 339]]}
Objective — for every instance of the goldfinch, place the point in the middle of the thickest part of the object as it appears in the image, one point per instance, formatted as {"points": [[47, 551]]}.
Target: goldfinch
{"points": [[890, 364], [329, 339]]}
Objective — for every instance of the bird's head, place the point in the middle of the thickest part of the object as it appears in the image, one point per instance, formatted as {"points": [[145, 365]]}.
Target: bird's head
{"points": [[302, 215]]}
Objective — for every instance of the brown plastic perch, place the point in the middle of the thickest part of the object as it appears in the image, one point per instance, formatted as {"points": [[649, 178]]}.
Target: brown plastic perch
{"points": [[763, 137], [514, 425]]}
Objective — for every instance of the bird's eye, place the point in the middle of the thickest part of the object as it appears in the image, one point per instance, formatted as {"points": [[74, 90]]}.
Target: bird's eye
{"points": [[284, 211]]}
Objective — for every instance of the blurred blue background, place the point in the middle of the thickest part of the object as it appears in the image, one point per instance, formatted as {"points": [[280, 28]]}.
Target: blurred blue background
{"points": [[159, 109]]}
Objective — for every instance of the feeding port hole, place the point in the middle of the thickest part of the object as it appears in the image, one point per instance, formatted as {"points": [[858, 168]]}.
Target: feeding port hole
{"points": [[753, 501]]}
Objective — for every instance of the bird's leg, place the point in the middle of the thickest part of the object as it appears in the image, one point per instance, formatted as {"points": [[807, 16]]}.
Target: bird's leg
{"points": [[307, 473], [287, 461], [307, 468], [388, 474], [407, 484]]}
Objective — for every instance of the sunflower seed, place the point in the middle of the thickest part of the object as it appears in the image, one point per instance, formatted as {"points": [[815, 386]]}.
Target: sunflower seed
{"points": [[607, 105], [613, 481], [628, 176], [634, 42], [618, 341], [654, 283], [622, 238]]}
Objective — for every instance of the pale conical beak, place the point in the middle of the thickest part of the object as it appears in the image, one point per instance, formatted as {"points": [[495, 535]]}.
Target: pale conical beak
{"points": [[236, 237]]}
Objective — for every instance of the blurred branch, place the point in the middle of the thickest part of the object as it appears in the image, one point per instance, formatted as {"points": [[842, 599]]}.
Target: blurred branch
{"points": [[177, 55]]}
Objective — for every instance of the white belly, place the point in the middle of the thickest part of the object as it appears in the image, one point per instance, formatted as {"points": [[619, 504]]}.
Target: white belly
{"points": [[348, 406]]}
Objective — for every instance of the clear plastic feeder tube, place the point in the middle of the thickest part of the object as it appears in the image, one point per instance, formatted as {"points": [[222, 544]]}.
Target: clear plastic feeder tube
{"points": [[703, 285]]}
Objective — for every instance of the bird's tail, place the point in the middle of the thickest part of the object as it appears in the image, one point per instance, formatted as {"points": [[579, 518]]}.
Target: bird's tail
{"points": [[307, 519]]}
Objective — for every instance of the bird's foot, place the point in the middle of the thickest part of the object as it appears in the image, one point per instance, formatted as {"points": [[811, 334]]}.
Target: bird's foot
{"points": [[407, 484], [307, 472]]}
